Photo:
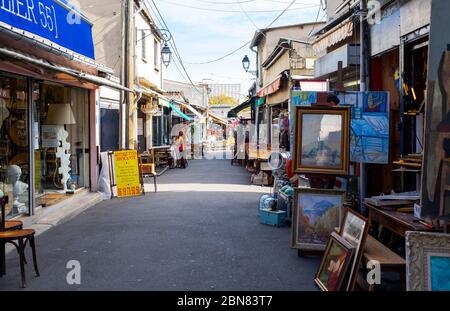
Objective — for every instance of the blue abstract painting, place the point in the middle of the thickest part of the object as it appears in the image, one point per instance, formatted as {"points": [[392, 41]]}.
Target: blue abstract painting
{"points": [[369, 140], [301, 98], [440, 273]]}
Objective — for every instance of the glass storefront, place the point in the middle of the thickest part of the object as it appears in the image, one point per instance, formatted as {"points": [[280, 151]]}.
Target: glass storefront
{"points": [[61, 151], [55, 142], [14, 147]]}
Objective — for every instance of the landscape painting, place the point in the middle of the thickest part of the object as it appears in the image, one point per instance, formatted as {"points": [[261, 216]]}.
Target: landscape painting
{"points": [[316, 213], [322, 140]]}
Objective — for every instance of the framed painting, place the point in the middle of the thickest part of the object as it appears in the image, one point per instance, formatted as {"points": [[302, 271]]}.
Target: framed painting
{"points": [[321, 140], [427, 261], [334, 264], [316, 213], [354, 230]]}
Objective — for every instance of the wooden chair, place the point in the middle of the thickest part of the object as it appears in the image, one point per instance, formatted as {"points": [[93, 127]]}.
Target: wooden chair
{"points": [[147, 167], [19, 238], [13, 225]]}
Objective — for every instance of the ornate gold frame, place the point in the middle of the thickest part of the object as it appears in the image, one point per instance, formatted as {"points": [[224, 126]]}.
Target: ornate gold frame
{"points": [[345, 144]]}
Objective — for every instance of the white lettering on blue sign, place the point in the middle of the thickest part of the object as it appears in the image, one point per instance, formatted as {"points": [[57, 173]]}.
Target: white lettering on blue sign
{"points": [[60, 23], [27, 10], [30, 6]]}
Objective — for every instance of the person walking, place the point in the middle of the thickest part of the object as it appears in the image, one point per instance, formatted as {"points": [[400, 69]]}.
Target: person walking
{"points": [[180, 143]]}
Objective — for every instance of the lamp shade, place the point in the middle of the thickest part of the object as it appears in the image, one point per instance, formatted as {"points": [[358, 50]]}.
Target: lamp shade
{"points": [[246, 63], [60, 114], [166, 55]]}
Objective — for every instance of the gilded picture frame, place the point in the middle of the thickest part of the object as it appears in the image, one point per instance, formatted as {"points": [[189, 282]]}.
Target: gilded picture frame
{"points": [[427, 261], [322, 140]]}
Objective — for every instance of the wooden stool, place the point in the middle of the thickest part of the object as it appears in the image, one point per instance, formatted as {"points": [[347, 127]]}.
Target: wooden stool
{"points": [[20, 238]]}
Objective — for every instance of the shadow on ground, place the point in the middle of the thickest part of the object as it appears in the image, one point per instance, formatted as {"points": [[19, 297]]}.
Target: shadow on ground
{"points": [[180, 240]]}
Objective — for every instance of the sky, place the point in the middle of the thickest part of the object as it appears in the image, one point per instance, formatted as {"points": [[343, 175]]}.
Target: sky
{"points": [[203, 32]]}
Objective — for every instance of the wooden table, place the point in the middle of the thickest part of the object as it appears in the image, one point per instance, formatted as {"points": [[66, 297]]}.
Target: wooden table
{"points": [[397, 222], [159, 151]]}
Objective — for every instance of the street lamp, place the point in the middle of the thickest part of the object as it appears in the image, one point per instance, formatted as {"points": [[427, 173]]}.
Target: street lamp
{"points": [[166, 36], [246, 66], [166, 55], [246, 63]]}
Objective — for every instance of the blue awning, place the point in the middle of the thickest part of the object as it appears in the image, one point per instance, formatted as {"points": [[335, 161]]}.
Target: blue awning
{"points": [[54, 21], [178, 111]]}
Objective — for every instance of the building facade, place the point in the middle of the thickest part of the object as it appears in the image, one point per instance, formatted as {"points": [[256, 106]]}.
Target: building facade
{"points": [[285, 56], [127, 40], [48, 86]]}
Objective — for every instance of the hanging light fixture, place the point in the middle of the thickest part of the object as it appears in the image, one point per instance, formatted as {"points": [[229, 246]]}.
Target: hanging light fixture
{"points": [[246, 63], [166, 55]]}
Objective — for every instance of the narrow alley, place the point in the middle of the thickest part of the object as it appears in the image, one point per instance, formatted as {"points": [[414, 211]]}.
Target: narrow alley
{"points": [[199, 232]]}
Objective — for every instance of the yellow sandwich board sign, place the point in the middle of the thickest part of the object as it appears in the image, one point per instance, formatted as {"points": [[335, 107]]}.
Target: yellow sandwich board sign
{"points": [[126, 169]]}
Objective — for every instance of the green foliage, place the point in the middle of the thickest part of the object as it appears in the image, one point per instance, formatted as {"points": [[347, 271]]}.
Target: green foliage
{"points": [[222, 99]]}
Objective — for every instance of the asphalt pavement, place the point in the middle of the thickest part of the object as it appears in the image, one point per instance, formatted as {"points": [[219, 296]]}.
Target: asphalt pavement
{"points": [[199, 232]]}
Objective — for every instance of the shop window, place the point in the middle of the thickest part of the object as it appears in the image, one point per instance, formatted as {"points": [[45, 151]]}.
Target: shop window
{"points": [[309, 63], [61, 131], [109, 129], [144, 45], [14, 144], [156, 54]]}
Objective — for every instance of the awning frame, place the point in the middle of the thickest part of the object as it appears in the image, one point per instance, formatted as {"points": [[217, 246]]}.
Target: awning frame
{"points": [[192, 109], [178, 111], [233, 112], [72, 72], [217, 118], [271, 88]]}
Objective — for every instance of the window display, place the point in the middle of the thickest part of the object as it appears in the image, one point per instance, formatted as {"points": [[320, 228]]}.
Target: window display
{"points": [[14, 162], [61, 152]]}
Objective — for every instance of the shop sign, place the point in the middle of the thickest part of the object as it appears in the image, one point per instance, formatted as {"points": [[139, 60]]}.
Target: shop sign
{"points": [[126, 169], [53, 20]]}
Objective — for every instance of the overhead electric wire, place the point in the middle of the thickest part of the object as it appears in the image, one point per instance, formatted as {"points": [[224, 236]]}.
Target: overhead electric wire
{"points": [[222, 57], [281, 14], [224, 2], [177, 54], [317, 18], [246, 14], [174, 46], [236, 11], [246, 43]]}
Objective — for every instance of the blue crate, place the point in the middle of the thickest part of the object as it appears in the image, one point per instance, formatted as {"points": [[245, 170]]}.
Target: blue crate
{"points": [[272, 218]]}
